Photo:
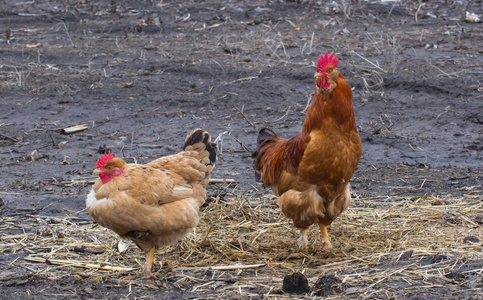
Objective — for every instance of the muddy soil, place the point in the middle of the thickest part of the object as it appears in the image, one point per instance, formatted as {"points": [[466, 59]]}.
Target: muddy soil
{"points": [[142, 74]]}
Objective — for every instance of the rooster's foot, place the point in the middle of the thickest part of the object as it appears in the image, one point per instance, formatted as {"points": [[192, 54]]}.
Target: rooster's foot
{"points": [[146, 275], [326, 245]]}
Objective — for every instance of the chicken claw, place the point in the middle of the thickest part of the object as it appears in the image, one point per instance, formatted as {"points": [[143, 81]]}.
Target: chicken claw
{"points": [[303, 242], [326, 244], [149, 265]]}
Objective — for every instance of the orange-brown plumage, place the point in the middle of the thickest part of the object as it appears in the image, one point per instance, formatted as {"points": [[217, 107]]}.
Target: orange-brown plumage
{"points": [[311, 171], [155, 204]]}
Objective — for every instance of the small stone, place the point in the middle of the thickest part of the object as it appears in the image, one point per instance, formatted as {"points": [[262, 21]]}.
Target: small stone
{"points": [[231, 278], [327, 285], [451, 218], [406, 255], [471, 239], [437, 202], [295, 283], [456, 276], [103, 149], [479, 219], [34, 155], [437, 258], [80, 249]]}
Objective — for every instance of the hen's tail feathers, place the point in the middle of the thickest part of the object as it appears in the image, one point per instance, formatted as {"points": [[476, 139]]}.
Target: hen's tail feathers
{"points": [[200, 141], [263, 134]]}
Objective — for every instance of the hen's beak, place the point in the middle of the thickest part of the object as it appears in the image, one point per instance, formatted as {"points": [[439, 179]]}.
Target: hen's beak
{"points": [[97, 171], [317, 75]]}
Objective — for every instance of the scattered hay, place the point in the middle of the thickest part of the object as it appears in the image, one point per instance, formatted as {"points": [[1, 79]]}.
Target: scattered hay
{"points": [[383, 247]]}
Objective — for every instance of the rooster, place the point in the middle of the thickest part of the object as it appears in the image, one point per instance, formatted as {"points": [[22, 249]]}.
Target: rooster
{"points": [[155, 204], [310, 172]]}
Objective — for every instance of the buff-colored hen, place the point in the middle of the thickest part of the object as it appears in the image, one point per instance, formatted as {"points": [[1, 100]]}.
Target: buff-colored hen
{"points": [[155, 204]]}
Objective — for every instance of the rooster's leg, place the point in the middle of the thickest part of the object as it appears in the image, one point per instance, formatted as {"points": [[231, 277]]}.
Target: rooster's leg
{"points": [[149, 264], [303, 242], [326, 244]]}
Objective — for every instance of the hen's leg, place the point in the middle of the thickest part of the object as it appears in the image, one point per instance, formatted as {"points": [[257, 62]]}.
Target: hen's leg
{"points": [[326, 244], [149, 264], [303, 242]]}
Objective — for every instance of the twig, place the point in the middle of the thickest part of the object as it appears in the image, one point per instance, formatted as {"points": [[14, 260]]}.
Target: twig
{"points": [[439, 69], [311, 43], [150, 146], [219, 141], [51, 137], [68, 34], [309, 100], [373, 64], [14, 277], [240, 142], [9, 138], [422, 184], [73, 129], [206, 234], [221, 180], [132, 142], [417, 11], [208, 27], [77, 264], [447, 109], [224, 268], [244, 79], [245, 117], [19, 74], [286, 113]]}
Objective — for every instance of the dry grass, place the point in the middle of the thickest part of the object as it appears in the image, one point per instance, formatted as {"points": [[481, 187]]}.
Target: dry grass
{"points": [[383, 247]]}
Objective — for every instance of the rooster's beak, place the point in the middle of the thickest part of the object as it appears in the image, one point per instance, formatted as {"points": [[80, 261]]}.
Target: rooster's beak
{"points": [[317, 75], [97, 171]]}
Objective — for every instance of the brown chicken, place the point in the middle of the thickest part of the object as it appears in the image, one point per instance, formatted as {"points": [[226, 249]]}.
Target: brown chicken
{"points": [[155, 204], [311, 171]]}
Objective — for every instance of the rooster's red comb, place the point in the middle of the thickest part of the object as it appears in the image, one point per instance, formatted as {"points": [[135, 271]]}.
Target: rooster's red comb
{"points": [[326, 60], [105, 158]]}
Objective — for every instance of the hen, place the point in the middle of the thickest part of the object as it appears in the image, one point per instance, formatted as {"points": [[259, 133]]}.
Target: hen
{"points": [[155, 204], [311, 171]]}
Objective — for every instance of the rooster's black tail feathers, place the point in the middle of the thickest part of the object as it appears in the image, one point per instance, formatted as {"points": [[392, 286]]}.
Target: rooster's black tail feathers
{"points": [[263, 134]]}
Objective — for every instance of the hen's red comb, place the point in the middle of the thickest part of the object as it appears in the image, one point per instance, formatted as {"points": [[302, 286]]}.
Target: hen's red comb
{"points": [[105, 158], [325, 60]]}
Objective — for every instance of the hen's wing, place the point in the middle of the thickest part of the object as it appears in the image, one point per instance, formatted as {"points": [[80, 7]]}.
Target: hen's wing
{"points": [[184, 164], [195, 162], [147, 186]]}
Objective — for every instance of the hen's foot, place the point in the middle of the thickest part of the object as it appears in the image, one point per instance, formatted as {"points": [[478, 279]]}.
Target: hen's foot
{"points": [[149, 264], [303, 242]]}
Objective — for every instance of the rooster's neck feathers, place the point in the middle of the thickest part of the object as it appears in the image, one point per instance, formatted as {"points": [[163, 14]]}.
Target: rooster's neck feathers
{"points": [[337, 107]]}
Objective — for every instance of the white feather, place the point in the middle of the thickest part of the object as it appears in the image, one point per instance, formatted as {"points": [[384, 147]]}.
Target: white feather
{"points": [[92, 202]]}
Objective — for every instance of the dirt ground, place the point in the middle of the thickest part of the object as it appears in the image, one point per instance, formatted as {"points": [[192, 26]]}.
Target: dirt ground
{"points": [[142, 74]]}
